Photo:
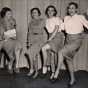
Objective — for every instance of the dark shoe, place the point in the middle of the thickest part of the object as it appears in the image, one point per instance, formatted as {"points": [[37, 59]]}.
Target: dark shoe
{"points": [[17, 70], [35, 75], [54, 80], [10, 71], [71, 85]]}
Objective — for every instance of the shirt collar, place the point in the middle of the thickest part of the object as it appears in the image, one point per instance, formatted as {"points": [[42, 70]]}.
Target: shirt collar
{"points": [[74, 15]]}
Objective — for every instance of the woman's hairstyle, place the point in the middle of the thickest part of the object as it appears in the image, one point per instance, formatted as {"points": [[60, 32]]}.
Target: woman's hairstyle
{"points": [[72, 3], [67, 11], [37, 9], [50, 6], [4, 11]]}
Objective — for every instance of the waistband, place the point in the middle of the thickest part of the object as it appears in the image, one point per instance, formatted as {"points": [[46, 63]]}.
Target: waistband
{"points": [[56, 33], [37, 33], [74, 35]]}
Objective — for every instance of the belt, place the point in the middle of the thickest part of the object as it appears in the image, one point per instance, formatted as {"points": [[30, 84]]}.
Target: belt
{"points": [[37, 33]]}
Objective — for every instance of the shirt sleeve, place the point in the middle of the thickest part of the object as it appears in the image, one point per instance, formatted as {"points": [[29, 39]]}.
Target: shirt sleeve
{"points": [[84, 21]]}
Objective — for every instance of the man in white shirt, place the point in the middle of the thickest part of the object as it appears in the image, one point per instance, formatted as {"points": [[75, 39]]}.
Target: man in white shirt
{"points": [[73, 26]]}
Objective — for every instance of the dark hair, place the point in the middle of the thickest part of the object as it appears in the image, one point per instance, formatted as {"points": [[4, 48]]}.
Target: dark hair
{"points": [[4, 11], [67, 11], [73, 3], [35, 9], [50, 6]]}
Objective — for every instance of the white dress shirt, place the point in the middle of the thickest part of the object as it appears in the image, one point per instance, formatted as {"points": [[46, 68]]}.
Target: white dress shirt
{"points": [[52, 22], [74, 24]]}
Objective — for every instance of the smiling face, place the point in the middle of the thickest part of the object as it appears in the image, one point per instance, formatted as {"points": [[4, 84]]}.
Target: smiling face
{"points": [[72, 9], [35, 14], [8, 15], [50, 12]]}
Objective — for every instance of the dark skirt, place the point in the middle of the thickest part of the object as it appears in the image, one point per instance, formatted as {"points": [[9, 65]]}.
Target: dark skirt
{"points": [[72, 45]]}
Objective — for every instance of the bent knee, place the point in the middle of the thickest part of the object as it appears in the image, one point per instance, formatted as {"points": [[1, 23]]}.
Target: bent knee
{"points": [[62, 52], [46, 47]]}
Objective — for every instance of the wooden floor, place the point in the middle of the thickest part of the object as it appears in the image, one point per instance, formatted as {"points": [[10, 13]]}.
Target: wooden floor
{"points": [[21, 80]]}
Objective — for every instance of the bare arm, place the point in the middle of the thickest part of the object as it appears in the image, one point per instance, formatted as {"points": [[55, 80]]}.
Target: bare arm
{"points": [[58, 28], [54, 32]]}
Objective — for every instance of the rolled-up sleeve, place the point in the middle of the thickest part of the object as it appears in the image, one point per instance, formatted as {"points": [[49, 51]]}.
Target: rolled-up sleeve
{"points": [[84, 21]]}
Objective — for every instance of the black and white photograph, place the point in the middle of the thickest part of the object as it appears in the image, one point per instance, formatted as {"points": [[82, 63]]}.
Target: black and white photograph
{"points": [[43, 43]]}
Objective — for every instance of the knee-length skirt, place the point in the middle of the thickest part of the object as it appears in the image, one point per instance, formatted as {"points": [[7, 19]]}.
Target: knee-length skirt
{"points": [[57, 42]]}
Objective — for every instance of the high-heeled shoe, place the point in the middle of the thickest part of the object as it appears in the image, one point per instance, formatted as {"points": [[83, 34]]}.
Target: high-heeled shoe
{"points": [[10, 71], [44, 70], [52, 76], [30, 73], [56, 75], [35, 75], [71, 85], [53, 80], [17, 70], [48, 68]]}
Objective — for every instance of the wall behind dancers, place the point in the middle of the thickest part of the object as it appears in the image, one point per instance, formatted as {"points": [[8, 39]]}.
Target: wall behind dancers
{"points": [[21, 11]]}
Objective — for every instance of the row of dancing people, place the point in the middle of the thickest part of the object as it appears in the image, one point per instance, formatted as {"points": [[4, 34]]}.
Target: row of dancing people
{"points": [[64, 39], [66, 45], [8, 41]]}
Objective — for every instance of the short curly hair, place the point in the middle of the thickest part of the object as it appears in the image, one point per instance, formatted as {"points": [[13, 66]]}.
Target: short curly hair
{"points": [[73, 3], [50, 6], [37, 9], [4, 11]]}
